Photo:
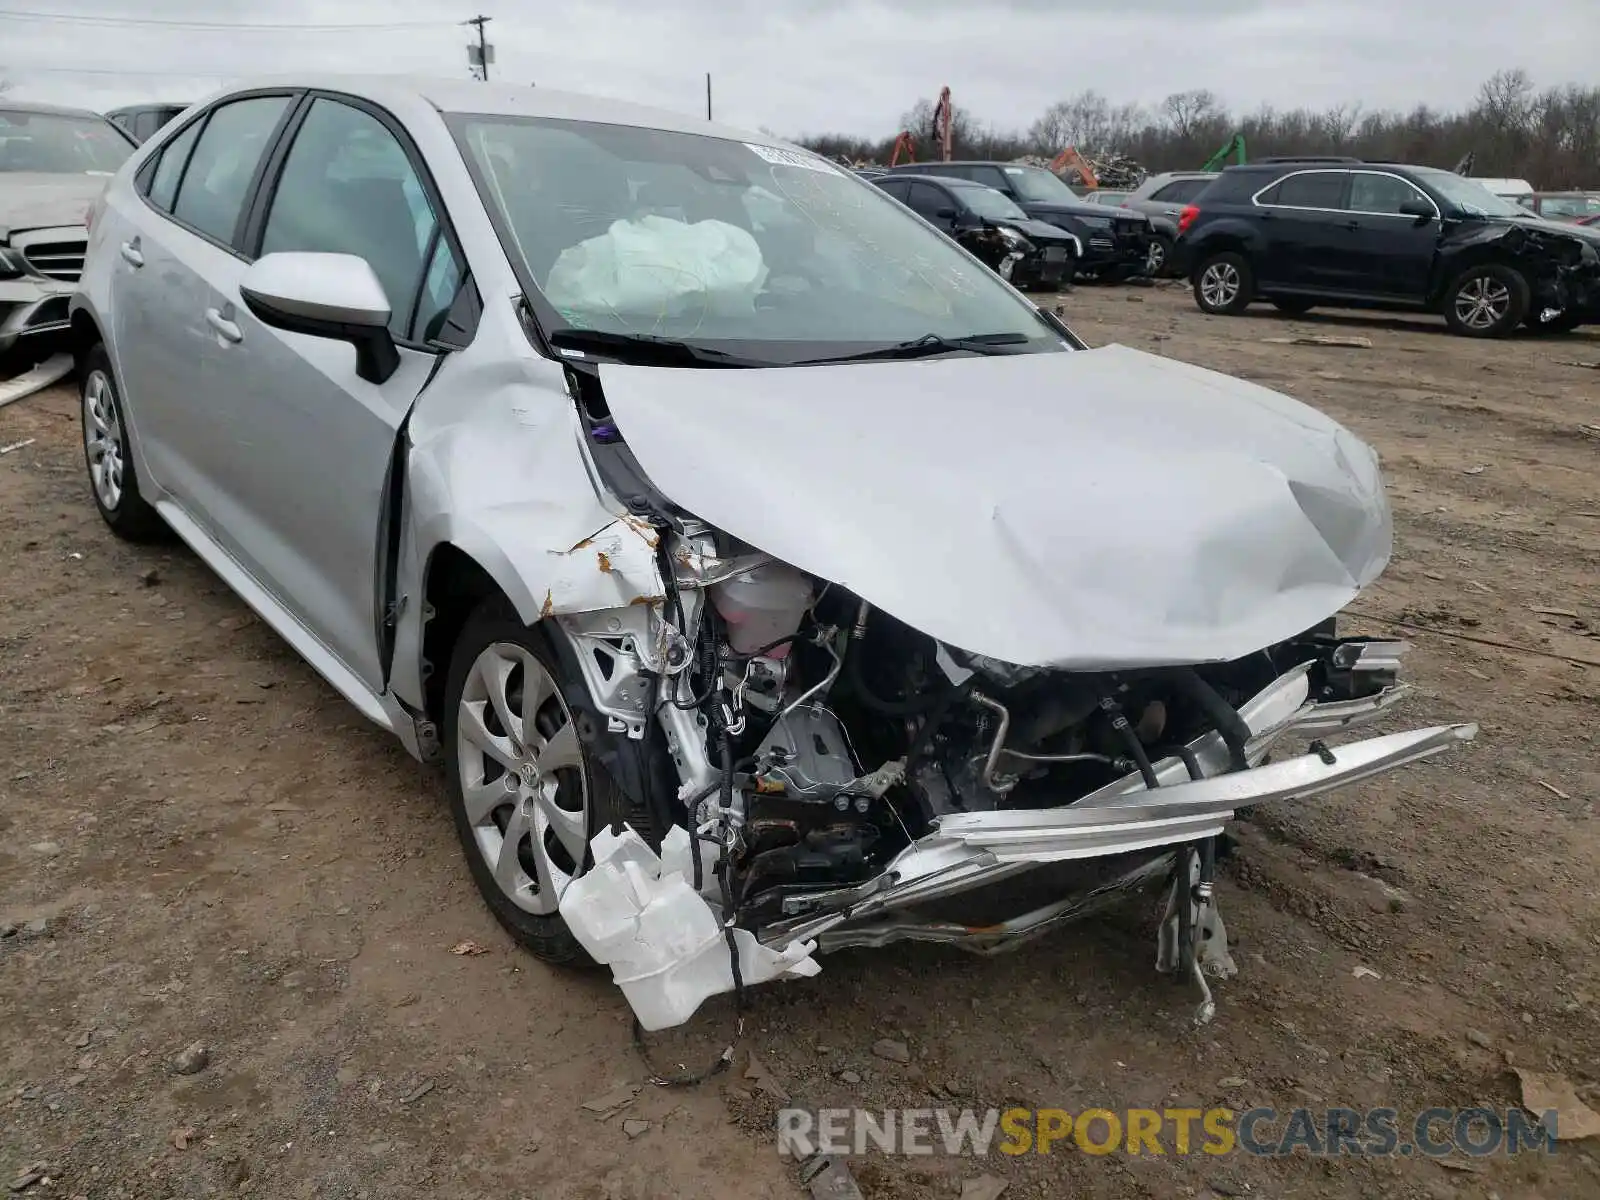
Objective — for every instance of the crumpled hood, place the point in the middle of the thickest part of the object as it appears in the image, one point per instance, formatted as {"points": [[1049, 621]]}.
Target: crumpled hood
{"points": [[1085, 510], [34, 200]]}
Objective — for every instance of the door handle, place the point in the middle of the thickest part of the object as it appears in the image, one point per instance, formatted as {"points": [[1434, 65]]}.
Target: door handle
{"points": [[1352, 225], [225, 328], [131, 255]]}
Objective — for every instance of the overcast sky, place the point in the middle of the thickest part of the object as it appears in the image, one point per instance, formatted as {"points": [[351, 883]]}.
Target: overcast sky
{"points": [[806, 66]]}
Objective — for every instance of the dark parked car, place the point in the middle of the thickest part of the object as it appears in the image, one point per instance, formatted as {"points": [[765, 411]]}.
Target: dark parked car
{"points": [[1024, 251], [1389, 236], [141, 120], [1115, 240]]}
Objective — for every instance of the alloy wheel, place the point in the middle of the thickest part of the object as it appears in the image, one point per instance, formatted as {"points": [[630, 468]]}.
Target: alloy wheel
{"points": [[1219, 284], [523, 783], [1155, 258], [102, 437], [1482, 302]]}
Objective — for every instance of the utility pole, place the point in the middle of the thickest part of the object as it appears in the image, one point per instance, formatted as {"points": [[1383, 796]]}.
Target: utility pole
{"points": [[485, 52], [708, 95]]}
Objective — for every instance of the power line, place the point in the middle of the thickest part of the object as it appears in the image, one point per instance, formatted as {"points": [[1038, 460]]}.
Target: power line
{"points": [[483, 47], [17, 14]]}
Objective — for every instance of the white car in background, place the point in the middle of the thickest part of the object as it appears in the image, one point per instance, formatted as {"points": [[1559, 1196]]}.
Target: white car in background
{"points": [[54, 162], [652, 473]]}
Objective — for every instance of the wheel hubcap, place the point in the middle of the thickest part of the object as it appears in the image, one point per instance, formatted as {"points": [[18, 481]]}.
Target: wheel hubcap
{"points": [[1219, 284], [522, 778], [1482, 302], [1156, 258], [102, 439]]}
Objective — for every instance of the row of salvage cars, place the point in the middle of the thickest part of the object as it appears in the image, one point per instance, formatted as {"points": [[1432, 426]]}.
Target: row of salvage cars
{"points": [[736, 542]]}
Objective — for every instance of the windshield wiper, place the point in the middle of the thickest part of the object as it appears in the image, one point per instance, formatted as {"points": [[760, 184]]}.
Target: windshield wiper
{"points": [[928, 345], [649, 348]]}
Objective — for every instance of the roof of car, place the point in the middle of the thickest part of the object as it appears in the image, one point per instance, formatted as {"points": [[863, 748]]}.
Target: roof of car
{"points": [[954, 181], [58, 110], [969, 162], [468, 96]]}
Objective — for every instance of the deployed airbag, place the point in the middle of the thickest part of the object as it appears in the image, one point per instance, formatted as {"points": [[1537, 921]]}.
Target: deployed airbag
{"points": [[1084, 510], [661, 267]]}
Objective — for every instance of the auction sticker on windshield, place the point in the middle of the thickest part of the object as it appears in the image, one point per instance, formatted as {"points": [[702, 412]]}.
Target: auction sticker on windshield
{"points": [[779, 157]]}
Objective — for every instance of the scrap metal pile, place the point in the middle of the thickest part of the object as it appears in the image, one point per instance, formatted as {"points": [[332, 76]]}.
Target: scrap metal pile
{"points": [[1115, 172]]}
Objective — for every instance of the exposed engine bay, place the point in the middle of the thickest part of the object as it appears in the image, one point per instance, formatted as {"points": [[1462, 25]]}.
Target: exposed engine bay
{"points": [[824, 749]]}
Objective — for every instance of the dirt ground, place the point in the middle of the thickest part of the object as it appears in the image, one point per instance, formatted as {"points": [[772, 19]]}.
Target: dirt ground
{"points": [[221, 851]]}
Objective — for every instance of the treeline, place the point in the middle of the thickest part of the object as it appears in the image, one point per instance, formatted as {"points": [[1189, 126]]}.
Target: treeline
{"points": [[1512, 129]]}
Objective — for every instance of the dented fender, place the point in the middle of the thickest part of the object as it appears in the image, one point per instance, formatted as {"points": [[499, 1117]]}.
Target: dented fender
{"points": [[496, 468]]}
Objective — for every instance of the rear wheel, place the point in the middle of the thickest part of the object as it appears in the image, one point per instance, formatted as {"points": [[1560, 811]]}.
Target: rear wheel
{"points": [[526, 793], [1486, 301], [1224, 284], [113, 480]]}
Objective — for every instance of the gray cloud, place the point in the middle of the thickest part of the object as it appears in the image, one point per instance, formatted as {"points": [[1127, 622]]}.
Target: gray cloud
{"points": [[840, 65]]}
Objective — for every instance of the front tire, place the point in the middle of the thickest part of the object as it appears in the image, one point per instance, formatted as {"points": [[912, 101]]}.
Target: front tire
{"points": [[526, 794], [108, 455], [1486, 301], [1224, 285], [1157, 256]]}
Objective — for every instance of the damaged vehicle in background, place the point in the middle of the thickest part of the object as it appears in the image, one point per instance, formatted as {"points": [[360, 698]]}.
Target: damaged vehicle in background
{"points": [[53, 163], [768, 576], [1116, 241], [1021, 250], [1352, 234]]}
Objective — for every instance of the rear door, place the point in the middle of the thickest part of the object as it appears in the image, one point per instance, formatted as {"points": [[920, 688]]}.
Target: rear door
{"points": [[1392, 253], [1307, 235], [192, 203], [312, 444]]}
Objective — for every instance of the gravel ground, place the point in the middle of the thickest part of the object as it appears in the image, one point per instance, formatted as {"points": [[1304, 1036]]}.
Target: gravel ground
{"points": [[201, 843]]}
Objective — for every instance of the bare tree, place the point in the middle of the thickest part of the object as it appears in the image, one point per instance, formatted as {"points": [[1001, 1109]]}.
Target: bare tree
{"points": [[1186, 111]]}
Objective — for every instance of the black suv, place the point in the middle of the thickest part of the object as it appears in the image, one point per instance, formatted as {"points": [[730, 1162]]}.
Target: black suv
{"points": [[1025, 252], [1354, 234], [1115, 240]]}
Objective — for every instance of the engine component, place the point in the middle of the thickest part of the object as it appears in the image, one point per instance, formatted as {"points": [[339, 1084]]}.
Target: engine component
{"points": [[806, 755], [763, 606]]}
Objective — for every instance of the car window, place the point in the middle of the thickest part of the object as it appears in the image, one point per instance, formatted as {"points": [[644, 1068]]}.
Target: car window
{"points": [[1570, 206], [169, 168], [440, 284], [928, 200], [224, 161], [1308, 189], [895, 187], [1181, 190], [347, 187], [1374, 193], [989, 176], [60, 143]]}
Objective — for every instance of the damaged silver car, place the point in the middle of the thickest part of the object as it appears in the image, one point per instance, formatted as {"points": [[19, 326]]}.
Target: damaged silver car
{"points": [[768, 575], [54, 162]]}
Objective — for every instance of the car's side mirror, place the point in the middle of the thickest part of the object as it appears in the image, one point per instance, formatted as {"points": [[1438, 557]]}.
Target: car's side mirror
{"points": [[337, 296], [1419, 209], [945, 214]]}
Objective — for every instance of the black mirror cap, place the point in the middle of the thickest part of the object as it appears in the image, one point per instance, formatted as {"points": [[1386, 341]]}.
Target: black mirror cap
{"points": [[377, 357]]}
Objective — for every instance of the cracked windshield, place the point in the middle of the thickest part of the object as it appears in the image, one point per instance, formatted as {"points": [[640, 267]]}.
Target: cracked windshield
{"points": [[709, 240]]}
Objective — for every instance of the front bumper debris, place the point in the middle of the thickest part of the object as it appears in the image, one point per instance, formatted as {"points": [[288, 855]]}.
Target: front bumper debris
{"points": [[967, 851]]}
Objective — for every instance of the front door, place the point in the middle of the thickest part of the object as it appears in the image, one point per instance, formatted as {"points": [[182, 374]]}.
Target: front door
{"points": [[1393, 251], [314, 443]]}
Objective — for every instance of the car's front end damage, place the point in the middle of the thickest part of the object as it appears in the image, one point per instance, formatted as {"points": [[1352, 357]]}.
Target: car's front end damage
{"points": [[926, 698], [1560, 263]]}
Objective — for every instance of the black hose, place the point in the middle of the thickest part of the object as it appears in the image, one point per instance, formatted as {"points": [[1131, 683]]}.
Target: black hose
{"points": [[1190, 762], [1220, 713], [1119, 722], [910, 707], [725, 867]]}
